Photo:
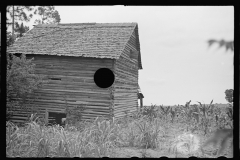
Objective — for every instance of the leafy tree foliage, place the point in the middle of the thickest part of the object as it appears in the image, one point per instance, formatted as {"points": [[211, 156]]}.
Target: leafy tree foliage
{"points": [[21, 81], [229, 95], [227, 45], [222, 43], [18, 14], [10, 39], [21, 29], [15, 14], [48, 14]]}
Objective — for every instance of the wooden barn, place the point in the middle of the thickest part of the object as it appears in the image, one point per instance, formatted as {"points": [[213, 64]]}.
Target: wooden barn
{"points": [[94, 65]]}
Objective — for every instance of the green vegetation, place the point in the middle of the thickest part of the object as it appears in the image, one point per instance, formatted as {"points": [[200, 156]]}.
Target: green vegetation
{"points": [[23, 14], [21, 82], [151, 128]]}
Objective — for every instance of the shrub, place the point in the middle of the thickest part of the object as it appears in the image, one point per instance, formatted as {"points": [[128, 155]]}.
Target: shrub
{"points": [[21, 81]]}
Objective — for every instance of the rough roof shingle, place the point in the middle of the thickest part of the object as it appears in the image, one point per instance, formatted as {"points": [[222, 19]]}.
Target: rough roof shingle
{"points": [[99, 40]]}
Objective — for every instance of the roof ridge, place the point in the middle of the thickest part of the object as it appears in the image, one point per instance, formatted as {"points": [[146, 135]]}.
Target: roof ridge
{"points": [[98, 23], [89, 23]]}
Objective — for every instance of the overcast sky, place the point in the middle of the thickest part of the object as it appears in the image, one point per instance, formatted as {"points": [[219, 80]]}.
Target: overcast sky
{"points": [[177, 64]]}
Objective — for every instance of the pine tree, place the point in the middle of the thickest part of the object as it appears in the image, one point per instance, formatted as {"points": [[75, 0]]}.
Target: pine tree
{"points": [[18, 13], [48, 14], [22, 14]]}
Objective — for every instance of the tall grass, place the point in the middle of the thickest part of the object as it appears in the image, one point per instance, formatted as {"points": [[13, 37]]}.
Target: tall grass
{"points": [[143, 130], [35, 140], [96, 139]]}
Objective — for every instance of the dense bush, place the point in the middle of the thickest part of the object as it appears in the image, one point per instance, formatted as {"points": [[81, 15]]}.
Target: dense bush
{"points": [[21, 81], [229, 95]]}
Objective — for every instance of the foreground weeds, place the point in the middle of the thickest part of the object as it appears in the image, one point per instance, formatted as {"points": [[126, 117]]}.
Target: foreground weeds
{"points": [[98, 139], [150, 129], [34, 140]]}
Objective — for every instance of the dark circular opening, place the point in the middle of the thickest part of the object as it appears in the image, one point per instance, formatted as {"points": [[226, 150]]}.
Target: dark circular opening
{"points": [[104, 77]]}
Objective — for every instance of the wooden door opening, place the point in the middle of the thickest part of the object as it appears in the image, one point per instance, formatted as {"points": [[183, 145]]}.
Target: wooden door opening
{"points": [[56, 118]]}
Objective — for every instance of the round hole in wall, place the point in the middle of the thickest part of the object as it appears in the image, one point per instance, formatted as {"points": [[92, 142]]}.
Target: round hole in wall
{"points": [[104, 77]]}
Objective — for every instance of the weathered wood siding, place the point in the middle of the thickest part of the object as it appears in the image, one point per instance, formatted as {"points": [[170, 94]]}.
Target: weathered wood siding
{"points": [[126, 82], [71, 79]]}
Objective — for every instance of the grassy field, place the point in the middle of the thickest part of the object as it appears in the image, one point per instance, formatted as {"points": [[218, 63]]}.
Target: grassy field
{"points": [[156, 131]]}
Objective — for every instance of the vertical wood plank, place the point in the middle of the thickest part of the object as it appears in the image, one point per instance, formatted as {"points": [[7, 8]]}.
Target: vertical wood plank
{"points": [[46, 116]]}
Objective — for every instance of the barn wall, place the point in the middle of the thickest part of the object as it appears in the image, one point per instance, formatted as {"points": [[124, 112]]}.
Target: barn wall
{"points": [[70, 79], [126, 83]]}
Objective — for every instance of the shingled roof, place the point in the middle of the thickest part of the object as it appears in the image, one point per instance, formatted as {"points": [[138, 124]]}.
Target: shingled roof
{"points": [[98, 40]]}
